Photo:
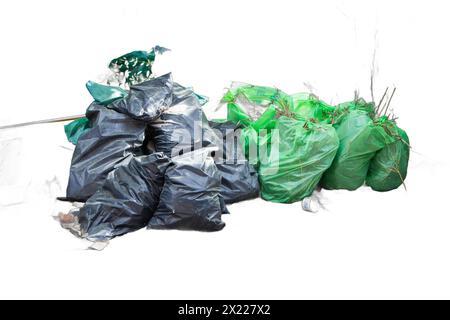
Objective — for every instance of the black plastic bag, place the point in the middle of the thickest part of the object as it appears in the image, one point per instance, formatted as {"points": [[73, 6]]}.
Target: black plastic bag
{"points": [[117, 131], [126, 201], [113, 138], [190, 198], [183, 127], [148, 100], [239, 177]]}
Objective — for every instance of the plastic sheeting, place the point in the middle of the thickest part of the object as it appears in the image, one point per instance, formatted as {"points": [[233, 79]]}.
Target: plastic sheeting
{"points": [[190, 198]]}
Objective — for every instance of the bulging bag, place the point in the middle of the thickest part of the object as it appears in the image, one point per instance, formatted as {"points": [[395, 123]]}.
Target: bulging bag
{"points": [[190, 198], [389, 167], [116, 131], [112, 138], [299, 155], [239, 178], [360, 138], [126, 201], [183, 127]]}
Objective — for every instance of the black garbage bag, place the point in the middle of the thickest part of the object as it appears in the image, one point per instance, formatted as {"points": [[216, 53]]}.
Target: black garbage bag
{"points": [[239, 177], [148, 100], [112, 139], [117, 131], [190, 198], [183, 127], [126, 201]]}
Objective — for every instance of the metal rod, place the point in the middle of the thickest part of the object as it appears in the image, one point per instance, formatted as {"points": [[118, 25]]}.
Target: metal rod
{"points": [[24, 124]]}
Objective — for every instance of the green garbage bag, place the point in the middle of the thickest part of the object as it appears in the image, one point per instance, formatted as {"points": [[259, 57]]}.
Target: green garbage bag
{"points": [[360, 138], [389, 167], [308, 106], [76, 128], [247, 103], [341, 110], [256, 109], [237, 115], [300, 153], [105, 94]]}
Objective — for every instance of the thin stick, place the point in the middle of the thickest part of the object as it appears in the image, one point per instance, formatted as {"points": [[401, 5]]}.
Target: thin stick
{"points": [[24, 124], [389, 103], [379, 103], [372, 72], [384, 108]]}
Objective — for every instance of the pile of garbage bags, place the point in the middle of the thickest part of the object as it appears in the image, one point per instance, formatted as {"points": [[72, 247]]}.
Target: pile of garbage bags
{"points": [[299, 143], [147, 156]]}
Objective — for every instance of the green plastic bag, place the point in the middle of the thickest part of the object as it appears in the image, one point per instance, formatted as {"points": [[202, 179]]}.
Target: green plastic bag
{"points": [[308, 106], [75, 129], [256, 108], [237, 115], [342, 110], [248, 102], [389, 167], [360, 138], [300, 153], [105, 94]]}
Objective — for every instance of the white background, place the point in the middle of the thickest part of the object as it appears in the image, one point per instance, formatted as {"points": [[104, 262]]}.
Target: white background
{"points": [[365, 245]]}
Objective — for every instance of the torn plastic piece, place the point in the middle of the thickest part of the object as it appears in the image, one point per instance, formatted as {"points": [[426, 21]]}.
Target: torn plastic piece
{"points": [[75, 129], [310, 204], [105, 94], [190, 199], [136, 65]]}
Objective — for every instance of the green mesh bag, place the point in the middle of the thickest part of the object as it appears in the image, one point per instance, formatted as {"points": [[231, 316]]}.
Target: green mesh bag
{"points": [[389, 167], [360, 139], [294, 168]]}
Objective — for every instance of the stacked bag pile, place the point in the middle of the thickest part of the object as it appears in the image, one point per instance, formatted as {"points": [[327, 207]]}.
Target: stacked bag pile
{"points": [[147, 156]]}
